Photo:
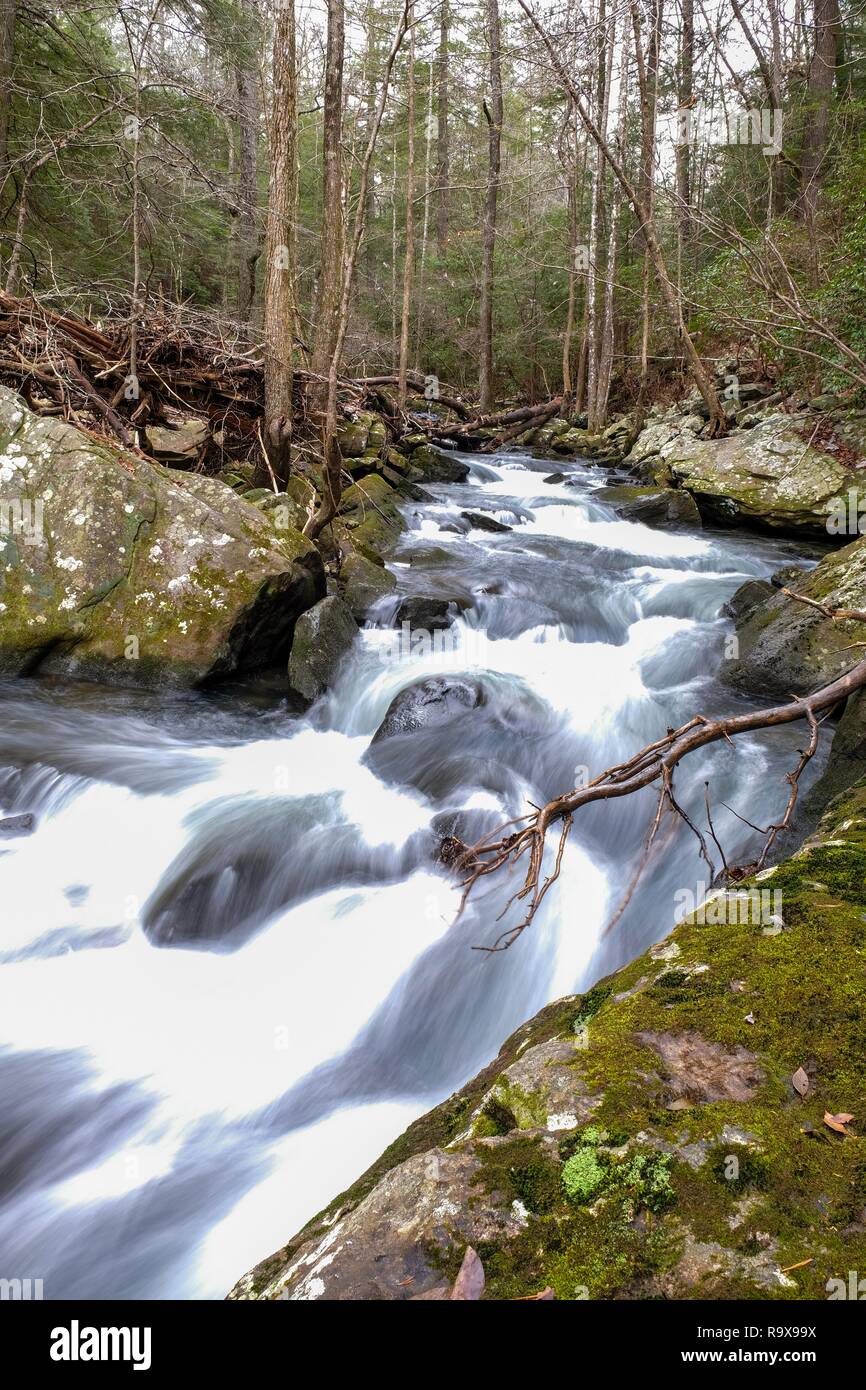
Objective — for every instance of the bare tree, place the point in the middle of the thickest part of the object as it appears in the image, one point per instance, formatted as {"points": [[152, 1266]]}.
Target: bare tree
{"points": [[247, 87], [281, 247], [409, 250], [332, 245], [442, 146], [493, 113]]}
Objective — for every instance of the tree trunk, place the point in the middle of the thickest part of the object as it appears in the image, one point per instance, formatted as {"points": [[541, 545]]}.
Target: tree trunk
{"points": [[281, 247], [7, 58], [332, 456], [605, 365], [488, 242], [331, 257], [409, 251], [605, 68], [442, 150], [822, 72], [685, 227], [247, 84]]}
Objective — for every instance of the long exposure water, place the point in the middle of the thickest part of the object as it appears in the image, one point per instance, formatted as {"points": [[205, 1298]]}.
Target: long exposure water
{"points": [[229, 968]]}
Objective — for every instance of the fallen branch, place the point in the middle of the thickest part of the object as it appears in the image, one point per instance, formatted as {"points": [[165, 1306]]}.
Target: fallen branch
{"points": [[653, 764]]}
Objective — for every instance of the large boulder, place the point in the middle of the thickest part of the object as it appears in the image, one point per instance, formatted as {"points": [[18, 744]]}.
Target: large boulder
{"points": [[670, 508], [772, 476], [116, 569], [644, 1140], [437, 466], [323, 636], [786, 647], [370, 513], [364, 583]]}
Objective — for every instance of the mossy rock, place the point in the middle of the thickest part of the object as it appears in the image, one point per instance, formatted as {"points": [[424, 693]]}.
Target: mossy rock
{"points": [[135, 574], [364, 583], [644, 1140]]}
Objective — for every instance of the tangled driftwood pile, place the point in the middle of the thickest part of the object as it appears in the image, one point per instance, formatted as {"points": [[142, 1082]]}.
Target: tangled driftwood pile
{"points": [[194, 368]]}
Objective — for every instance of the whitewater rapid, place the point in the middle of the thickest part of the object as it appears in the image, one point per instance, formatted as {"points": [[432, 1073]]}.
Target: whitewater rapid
{"points": [[229, 969]]}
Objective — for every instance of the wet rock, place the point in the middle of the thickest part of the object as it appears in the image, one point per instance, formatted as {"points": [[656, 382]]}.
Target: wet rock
{"points": [[670, 508], [323, 636], [364, 583], [555, 478], [370, 512], [436, 466], [482, 522], [430, 614], [749, 597], [428, 704], [17, 825]]}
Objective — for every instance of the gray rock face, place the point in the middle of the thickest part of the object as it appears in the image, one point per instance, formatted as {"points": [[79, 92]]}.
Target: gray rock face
{"points": [[437, 466], [431, 614], [769, 476], [323, 636], [786, 647], [363, 584], [428, 704], [115, 569], [671, 508], [17, 825], [482, 522]]}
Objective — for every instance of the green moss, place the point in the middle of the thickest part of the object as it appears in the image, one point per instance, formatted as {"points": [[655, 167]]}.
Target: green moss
{"points": [[583, 1176]]}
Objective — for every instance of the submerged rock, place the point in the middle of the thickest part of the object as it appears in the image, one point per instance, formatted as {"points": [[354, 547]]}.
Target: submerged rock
{"points": [[323, 636], [642, 1140], [421, 611], [17, 825], [482, 522], [429, 703], [120, 570]]}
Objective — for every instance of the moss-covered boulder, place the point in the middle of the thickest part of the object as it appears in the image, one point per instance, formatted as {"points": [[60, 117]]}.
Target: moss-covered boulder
{"points": [[323, 636], [364, 583], [648, 1139], [774, 476], [118, 569], [369, 510], [785, 647]]}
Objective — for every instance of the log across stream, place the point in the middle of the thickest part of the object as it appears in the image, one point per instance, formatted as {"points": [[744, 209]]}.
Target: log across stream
{"points": [[230, 971]]}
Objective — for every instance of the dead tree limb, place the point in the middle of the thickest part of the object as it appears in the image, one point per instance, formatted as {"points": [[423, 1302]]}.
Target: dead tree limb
{"points": [[654, 764]]}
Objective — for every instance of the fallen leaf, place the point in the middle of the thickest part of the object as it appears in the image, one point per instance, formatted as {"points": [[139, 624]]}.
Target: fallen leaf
{"points": [[837, 1122], [546, 1294], [738, 986], [748, 1018], [800, 1081], [469, 1284]]}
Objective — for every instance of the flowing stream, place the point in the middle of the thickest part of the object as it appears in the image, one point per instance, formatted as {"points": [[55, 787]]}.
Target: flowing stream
{"points": [[229, 969]]}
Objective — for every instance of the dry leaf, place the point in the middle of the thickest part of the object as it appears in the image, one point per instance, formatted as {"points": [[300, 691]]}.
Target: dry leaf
{"points": [[748, 1018], [469, 1284], [800, 1081], [837, 1122], [546, 1295]]}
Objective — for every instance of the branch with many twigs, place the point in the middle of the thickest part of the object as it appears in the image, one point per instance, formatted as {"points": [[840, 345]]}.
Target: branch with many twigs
{"points": [[654, 764]]}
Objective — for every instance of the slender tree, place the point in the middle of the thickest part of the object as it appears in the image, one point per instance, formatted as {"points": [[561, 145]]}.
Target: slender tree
{"points": [[281, 247], [332, 243], [493, 113]]}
